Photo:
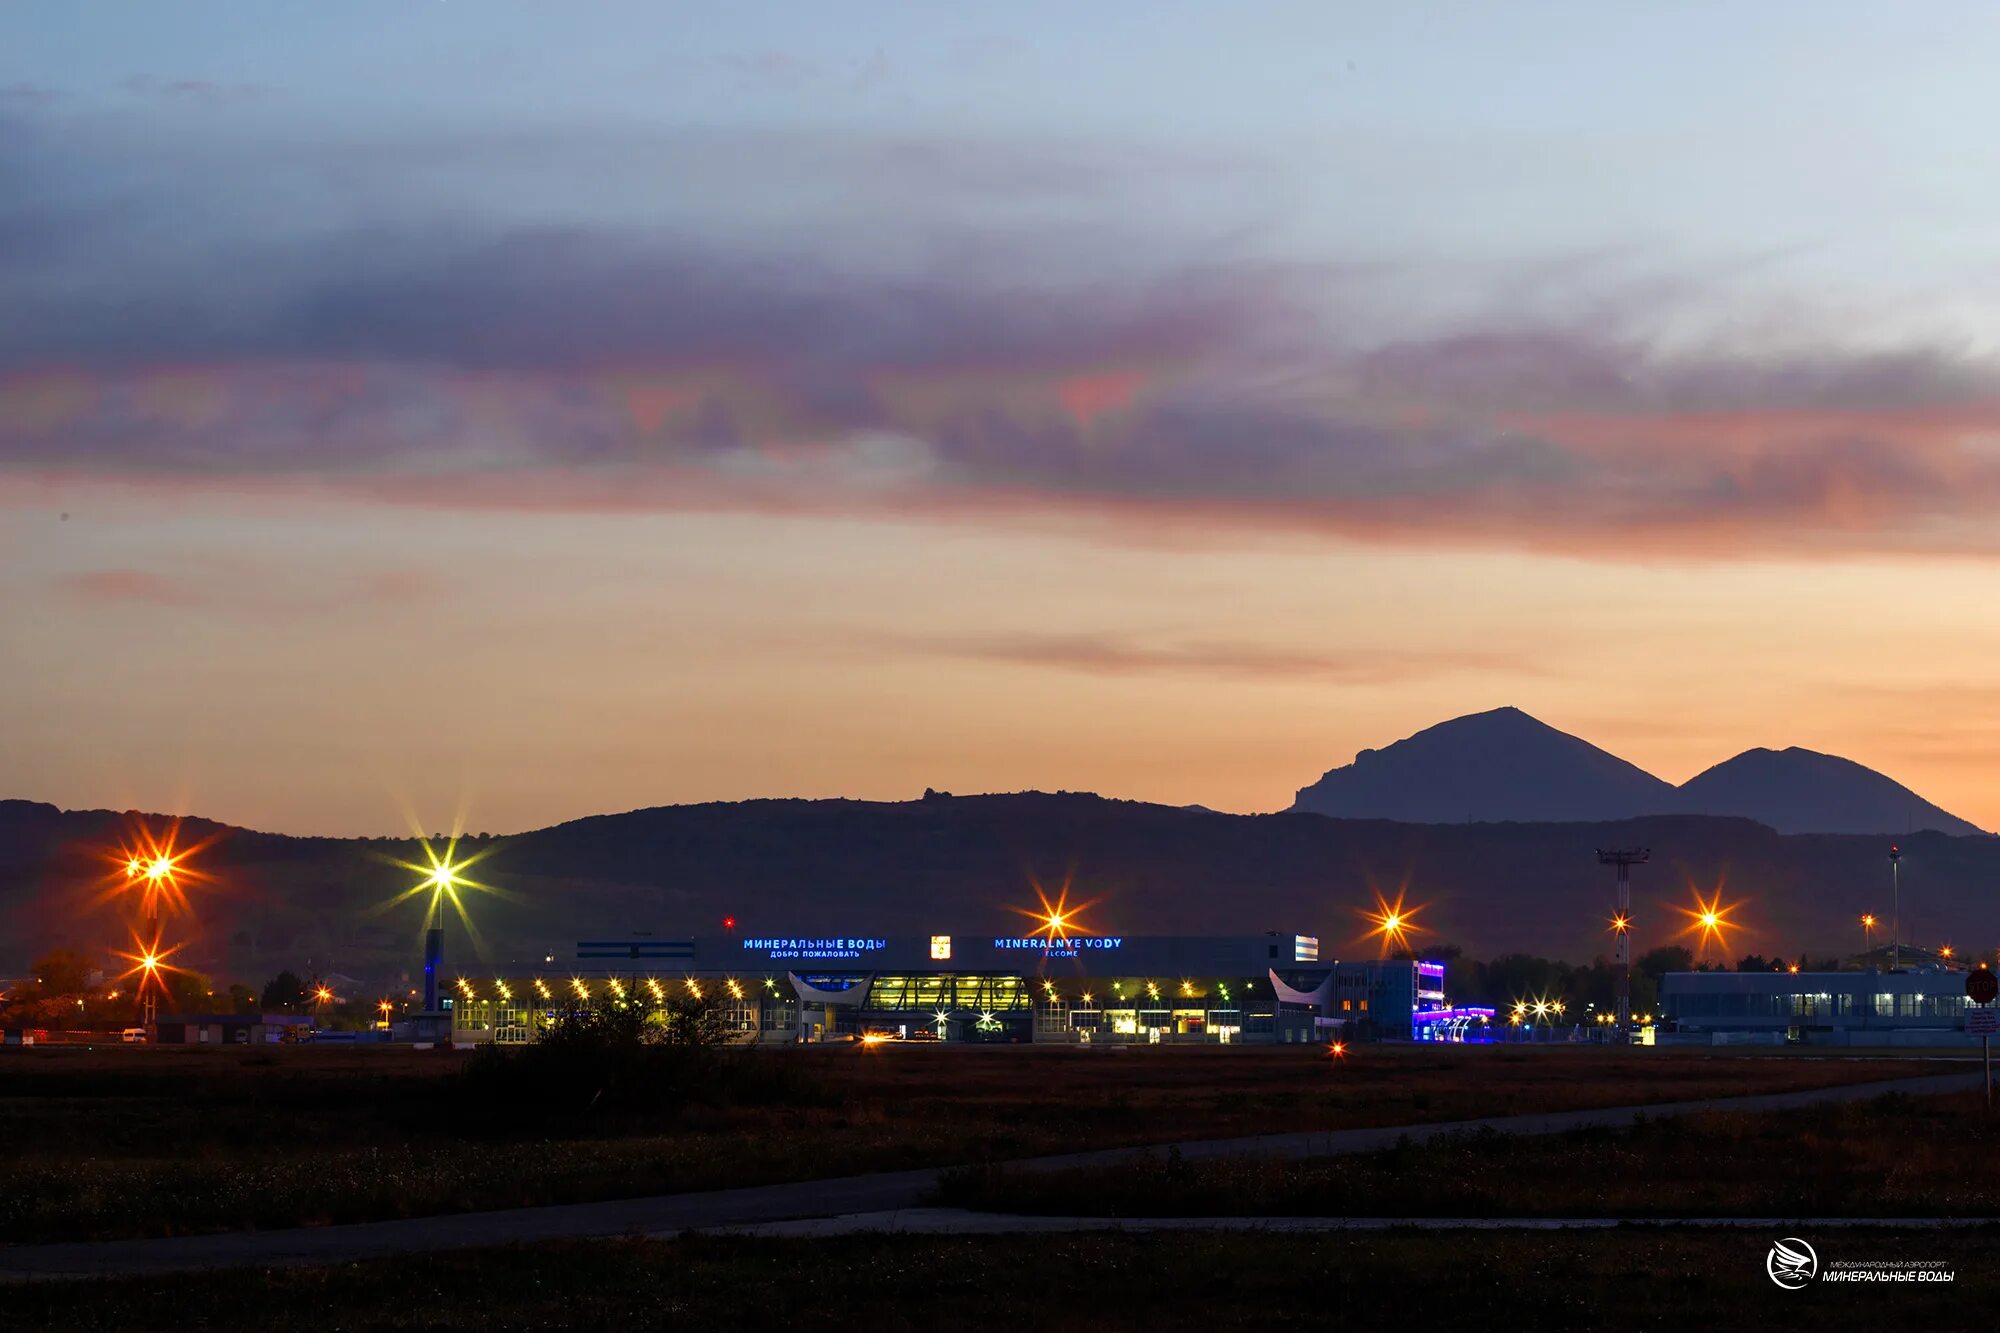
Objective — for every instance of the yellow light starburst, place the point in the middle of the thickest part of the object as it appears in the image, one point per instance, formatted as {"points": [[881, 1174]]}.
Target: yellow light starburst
{"points": [[442, 882]]}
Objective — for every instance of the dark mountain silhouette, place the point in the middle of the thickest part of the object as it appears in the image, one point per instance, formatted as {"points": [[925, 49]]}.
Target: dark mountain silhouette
{"points": [[1487, 767], [1506, 765], [1804, 791], [966, 863]]}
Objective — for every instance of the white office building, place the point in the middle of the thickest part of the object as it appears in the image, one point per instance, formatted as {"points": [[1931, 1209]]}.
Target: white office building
{"points": [[1923, 1006]]}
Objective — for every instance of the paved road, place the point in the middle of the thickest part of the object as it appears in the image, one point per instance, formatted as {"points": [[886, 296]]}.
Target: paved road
{"points": [[880, 1193], [964, 1222]]}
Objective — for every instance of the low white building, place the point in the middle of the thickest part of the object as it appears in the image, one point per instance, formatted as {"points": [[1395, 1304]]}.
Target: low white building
{"points": [[1923, 1006]]}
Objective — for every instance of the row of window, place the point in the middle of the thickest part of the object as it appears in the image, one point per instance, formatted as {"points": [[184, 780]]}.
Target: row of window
{"points": [[1885, 1004]]}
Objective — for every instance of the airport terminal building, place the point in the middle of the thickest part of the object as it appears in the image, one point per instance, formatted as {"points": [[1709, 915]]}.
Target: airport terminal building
{"points": [[1029, 988], [1922, 1006]]}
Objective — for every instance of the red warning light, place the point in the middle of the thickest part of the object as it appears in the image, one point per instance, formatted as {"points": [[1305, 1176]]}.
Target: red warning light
{"points": [[729, 923]]}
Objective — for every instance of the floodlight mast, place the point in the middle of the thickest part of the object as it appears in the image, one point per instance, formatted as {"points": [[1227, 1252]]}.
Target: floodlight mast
{"points": [[149, 1002], [1895, 909], [1623, 859]]}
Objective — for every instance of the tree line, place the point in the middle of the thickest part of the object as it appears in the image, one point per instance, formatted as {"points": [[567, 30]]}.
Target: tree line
{"points": [[70, 989]]}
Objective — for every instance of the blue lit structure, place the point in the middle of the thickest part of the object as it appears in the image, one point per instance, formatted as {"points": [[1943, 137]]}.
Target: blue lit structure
{"points": [[1466, 1023], [433, 960]]}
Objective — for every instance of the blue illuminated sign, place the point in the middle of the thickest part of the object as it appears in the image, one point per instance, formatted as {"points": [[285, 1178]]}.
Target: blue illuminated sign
{"points": [[838, 946], [1061, 948]]}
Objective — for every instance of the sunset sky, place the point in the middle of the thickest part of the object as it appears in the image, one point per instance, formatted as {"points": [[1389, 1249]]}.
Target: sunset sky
{"points": [[538, 411]]}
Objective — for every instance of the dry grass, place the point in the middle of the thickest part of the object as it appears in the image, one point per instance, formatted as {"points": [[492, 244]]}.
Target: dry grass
{"points": [[124, 1142], [1889, 1157], [1641, 1280]]}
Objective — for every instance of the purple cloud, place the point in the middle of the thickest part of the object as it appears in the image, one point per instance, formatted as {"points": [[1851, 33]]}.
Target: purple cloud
{"points": [[605, 364]]}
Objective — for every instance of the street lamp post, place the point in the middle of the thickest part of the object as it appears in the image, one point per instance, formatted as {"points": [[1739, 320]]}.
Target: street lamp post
{"points": [[158, 873], [1895, 909]]}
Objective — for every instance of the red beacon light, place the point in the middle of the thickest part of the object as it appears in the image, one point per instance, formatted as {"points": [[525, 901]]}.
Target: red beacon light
{"points": [[729, 923]]}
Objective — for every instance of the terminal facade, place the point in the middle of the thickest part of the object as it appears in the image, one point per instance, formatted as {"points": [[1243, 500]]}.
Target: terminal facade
{"points": [[1922, 1006], [981, 988]]}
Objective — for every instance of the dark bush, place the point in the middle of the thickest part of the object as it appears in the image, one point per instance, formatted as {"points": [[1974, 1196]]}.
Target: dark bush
{"points": [[613, 1059]]}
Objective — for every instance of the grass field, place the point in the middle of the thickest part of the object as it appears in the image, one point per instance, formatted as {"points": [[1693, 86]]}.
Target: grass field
{"points": [[1550, 1282], [1888, 1157], [155, 1141]]}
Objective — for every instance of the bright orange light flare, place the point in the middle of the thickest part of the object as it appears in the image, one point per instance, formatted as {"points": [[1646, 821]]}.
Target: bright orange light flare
{"points": [[1868, 920], [1709, 920], [148, 961], [1391, 924], [1944, 952], [1620, 924], [1056, 920], [157, 867], [1337, 1049]]}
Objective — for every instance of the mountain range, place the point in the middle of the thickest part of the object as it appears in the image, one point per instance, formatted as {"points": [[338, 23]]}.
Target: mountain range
{"points": [[1489, 821], [1504, 765], [971, 863]]}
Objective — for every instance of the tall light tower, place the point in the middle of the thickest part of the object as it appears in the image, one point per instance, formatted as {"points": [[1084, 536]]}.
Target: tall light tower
{"points": [[1623, 859], [157, 877], [1895, 908], [442, 880]]}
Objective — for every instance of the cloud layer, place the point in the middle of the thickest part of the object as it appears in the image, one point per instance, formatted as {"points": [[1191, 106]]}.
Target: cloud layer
{"points": [[163, 328]]}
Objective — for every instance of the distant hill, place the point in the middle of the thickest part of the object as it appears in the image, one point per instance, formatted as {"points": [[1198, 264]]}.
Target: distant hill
{"points": [[1505, 765], [1487, 767], [966, 863], [1804, 791]]}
